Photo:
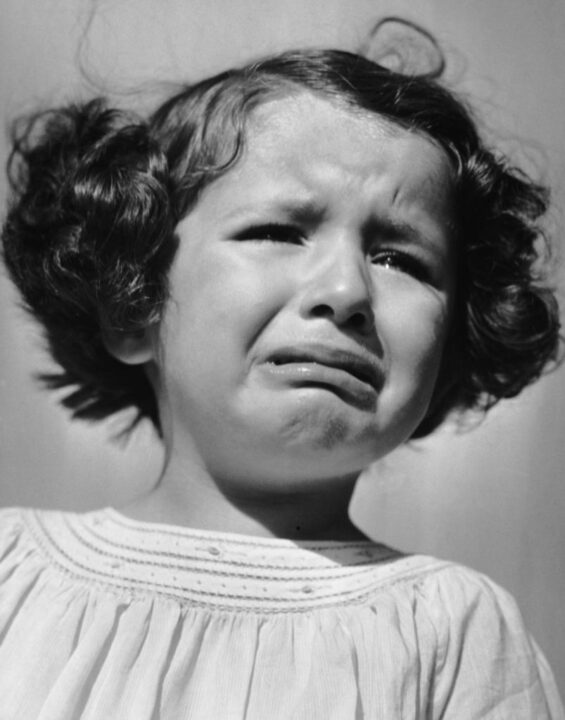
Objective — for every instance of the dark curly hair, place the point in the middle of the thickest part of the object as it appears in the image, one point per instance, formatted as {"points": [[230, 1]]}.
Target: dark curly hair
{"points": [[97, 194]]}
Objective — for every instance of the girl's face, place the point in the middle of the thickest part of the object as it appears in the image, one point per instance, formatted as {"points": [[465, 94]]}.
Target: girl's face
{"points": [[309, 299]]}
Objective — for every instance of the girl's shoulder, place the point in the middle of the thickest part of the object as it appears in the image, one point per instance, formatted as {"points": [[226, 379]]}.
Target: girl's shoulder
{"points": [[10, 521], [13, 530], [33, 544], [20, 547], [454, 587], [460, 605], [480, 639], [16, 526]]}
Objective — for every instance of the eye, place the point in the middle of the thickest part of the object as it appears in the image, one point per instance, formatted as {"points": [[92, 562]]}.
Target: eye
{"points": [[403, 262], [272, 232]]}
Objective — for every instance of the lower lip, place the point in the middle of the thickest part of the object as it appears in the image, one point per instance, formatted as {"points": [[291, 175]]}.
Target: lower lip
{"points": [[324, 377]]}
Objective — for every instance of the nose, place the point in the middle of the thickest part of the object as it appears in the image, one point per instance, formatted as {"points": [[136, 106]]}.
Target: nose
{"points": [[338, 287]]}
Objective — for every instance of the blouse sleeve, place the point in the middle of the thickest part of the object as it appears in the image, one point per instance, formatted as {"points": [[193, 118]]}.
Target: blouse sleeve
{"points": [[488, 666]]}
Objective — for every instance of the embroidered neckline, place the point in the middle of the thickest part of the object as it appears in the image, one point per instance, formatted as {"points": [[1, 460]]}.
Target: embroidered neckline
{"points": [[212, 569]]}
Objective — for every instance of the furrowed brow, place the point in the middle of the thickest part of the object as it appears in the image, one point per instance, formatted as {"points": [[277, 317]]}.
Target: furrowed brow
{"points": [[299, 209], [400, 231]]}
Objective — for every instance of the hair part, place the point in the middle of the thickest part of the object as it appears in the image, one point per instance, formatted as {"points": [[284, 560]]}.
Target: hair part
{"points": [[97, 194]]}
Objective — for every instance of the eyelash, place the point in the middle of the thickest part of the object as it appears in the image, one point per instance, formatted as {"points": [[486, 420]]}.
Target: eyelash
{"points": [[272, 232], [282, 233], [404, 262]]}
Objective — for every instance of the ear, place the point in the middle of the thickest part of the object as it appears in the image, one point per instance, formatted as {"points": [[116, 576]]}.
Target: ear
{"points": [[131, 348]]}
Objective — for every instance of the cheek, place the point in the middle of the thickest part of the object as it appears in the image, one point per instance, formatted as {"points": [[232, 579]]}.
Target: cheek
{"points": [[219, 303], [414, 335]]}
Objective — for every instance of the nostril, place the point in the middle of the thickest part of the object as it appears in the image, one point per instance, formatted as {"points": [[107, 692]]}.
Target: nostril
{"points": [[358, 320], [322, 311], [361, 322]]}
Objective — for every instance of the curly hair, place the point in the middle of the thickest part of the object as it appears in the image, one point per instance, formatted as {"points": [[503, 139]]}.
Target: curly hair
{"points": [[97, 194]]}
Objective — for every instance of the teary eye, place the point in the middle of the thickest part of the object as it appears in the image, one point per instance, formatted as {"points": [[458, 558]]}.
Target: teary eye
{"points": [[403, 262], [272, 232]]}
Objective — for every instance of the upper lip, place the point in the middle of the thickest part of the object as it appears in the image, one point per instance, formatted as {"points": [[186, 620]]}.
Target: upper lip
{"points": [[365, 368]]}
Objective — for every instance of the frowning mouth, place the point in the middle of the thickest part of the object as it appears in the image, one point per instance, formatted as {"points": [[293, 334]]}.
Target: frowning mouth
{"points": [[338, 359], [348, 374]]}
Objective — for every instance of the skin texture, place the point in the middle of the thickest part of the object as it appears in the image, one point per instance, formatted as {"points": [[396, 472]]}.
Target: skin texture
{"points": [[332, 233]]}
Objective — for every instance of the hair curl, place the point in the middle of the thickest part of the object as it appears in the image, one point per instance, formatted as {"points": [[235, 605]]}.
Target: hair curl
{"points": [[97, 194]]}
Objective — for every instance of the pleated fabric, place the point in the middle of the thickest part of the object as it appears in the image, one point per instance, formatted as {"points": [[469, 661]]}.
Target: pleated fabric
{"points": [[107, 618]]}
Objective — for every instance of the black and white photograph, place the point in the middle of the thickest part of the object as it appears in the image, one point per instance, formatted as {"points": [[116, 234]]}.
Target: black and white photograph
{"points": [[282, 383]]}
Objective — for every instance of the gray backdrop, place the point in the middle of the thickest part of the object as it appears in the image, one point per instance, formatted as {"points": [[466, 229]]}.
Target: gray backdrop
{"points": [[493, 498]]}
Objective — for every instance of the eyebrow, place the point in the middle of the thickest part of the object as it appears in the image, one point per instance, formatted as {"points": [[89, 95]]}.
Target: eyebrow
{"points": [[303, 209], [401, 231]]}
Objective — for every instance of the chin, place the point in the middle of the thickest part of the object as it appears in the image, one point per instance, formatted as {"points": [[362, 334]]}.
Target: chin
{"points": [[325, 436], [333, 449]]}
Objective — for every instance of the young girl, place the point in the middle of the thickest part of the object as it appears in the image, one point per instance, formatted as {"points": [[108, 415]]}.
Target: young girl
{"points": [[292, 268]]}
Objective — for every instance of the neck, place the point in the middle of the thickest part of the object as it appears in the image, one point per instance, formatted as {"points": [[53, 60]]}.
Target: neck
{"points": [[192, 498]]}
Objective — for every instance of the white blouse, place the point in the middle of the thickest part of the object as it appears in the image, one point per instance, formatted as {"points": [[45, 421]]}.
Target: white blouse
{"points": [[104, 617]]}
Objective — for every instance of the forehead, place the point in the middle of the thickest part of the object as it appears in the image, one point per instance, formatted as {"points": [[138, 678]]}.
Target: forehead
{"points": [[309, 145]]}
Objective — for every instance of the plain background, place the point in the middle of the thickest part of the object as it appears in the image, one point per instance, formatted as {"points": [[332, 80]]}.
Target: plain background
{"points": [[492, 498]]}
